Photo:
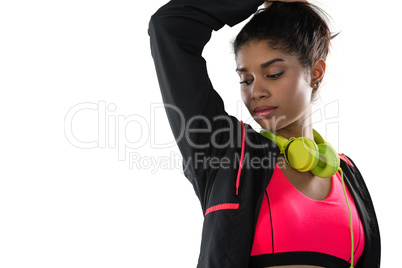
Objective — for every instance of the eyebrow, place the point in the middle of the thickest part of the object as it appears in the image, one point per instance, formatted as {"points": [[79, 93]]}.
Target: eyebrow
{"points": [[263, 65]]}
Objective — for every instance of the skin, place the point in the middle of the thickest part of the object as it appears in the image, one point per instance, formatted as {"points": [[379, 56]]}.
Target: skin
{"points": [[283, 84], [286, 85], [291, 93]]}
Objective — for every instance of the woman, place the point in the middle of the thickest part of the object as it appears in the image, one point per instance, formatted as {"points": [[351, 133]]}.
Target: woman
{"points": [[259, 210]]}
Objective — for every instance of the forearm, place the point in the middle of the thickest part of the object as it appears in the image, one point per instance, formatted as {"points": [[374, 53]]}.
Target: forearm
{"points": [[179, 31]]}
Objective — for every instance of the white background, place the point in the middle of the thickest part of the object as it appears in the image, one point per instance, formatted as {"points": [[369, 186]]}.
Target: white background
{"points": [[62, 205]]}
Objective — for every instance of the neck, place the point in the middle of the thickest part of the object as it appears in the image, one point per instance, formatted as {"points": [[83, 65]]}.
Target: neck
{"points": [[302, 127]]}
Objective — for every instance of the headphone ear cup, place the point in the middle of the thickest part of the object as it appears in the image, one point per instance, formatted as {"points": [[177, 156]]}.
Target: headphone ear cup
{"points": [[302, 154], [329, 162]]}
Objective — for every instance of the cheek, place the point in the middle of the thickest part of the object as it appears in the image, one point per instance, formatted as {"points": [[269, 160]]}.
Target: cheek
{"points": [[294, 97], [299, 91]]}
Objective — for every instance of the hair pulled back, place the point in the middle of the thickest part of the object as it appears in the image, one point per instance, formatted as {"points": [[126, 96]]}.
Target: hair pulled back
{"points": [[296, 28]]}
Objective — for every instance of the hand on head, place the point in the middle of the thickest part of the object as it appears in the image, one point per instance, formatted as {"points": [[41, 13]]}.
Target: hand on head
{"points": [[269, 2]]}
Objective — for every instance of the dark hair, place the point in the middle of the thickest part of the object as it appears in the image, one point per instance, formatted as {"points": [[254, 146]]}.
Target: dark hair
{"points": [[296, 28]]}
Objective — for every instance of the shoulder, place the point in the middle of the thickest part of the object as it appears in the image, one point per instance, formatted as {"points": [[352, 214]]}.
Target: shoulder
{"points": [[349, 167], [350, 170], [346, 159]]}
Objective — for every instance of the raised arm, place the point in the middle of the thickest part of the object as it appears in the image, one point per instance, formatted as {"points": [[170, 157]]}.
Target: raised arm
{"points": [[267, 3], [179, 31]]}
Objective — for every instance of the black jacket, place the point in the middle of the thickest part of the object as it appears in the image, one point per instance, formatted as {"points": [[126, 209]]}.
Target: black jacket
{"points": [[178, 32]]}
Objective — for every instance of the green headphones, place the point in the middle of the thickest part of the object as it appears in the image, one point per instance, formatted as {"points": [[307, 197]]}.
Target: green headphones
{"points": [[304, 154], [318, 157]]}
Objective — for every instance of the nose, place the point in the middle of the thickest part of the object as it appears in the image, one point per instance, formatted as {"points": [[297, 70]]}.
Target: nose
{"points": [[259, 90]]}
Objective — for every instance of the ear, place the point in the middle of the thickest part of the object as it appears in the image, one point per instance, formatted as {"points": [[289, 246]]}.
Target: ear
{"points": [[317, 73]]}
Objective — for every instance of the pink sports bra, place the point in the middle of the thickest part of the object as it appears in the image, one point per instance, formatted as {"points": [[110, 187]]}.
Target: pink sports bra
{"points": [[294, 229]]}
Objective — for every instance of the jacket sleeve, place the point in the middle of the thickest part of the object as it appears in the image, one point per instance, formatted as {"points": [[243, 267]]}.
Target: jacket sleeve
{"points": [[178, 33], [371, 256]]}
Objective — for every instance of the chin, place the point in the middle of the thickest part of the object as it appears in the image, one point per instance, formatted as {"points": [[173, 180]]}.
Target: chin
{"points": [[271, 124]]}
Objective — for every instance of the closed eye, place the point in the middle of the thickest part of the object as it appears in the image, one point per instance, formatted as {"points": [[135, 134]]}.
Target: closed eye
{"points": [[246, 82], [274, 76]]}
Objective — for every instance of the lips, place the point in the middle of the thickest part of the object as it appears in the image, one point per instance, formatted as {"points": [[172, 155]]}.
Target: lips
{"points": [[263, 108], [264, 111]]}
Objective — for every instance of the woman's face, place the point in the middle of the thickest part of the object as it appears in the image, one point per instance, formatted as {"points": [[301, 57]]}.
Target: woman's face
{"points": [[274, 87]]}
